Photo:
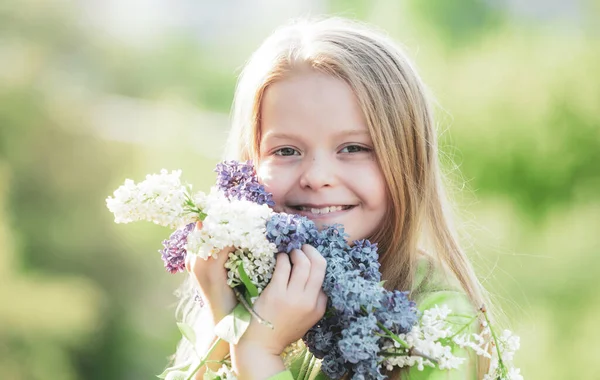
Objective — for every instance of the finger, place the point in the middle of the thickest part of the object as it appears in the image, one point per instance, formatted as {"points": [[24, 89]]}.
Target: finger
{"points": [[189, 262], [223, 255], [321, 304], [199, 225], [318, 264], [281, 274], [300, 271]]}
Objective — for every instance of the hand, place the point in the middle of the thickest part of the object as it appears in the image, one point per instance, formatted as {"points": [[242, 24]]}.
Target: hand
{"points": [[211, 277], [293, 302]]}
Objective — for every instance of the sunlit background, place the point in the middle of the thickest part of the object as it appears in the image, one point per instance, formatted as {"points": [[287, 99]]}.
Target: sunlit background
{"points": [[96, 91]]}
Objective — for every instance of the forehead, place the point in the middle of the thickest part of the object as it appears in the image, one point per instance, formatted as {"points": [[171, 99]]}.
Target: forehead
{"points": [[311, 102]]}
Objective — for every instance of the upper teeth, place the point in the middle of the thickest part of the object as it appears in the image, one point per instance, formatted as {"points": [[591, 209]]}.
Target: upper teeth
{"points": [[323, 210]]}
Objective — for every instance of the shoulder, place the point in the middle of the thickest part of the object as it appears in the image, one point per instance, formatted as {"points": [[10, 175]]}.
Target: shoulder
{"points": [[434, 285]]}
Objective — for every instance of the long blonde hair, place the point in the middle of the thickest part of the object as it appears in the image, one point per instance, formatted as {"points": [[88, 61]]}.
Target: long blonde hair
{"points": [[398, 112]]}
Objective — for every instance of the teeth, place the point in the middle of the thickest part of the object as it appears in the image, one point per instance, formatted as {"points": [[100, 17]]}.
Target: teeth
{"points": [[324, 210]]}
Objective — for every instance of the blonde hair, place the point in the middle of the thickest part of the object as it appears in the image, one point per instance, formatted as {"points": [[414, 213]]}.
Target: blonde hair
{"points": [[399, 117]]}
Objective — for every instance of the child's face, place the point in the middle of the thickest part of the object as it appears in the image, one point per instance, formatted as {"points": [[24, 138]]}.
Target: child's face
{"points": [[316, 155]]}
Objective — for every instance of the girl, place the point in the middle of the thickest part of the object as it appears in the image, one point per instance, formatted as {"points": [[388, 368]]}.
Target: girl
{"points": [[339, 126]]}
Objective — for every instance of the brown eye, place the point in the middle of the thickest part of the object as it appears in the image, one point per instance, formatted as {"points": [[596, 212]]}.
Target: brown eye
{"points": [[286, 152]]}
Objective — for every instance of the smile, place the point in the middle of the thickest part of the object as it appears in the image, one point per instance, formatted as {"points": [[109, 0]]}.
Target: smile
{"points": [[322, 210]]}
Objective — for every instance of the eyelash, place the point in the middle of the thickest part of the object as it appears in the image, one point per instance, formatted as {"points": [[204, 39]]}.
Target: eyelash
{"points": [[361, 148], [278, 152]]}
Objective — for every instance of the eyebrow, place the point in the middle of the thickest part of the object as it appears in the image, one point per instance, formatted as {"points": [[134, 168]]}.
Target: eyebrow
{"points": [[347, 132]]}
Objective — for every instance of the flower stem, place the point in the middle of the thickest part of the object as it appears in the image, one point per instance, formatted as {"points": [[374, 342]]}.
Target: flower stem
{"points": [[248, 307], [500, 362], [393, 336], [203, 361], [464, 327]]}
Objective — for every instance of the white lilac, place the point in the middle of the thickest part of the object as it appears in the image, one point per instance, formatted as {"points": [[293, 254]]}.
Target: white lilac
{"points": [[259, 268], [160, 198], [231, 223]]}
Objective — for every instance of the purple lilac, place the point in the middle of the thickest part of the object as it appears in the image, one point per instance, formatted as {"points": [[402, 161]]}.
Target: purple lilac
{"points": [[239, 181], [174, 251]]}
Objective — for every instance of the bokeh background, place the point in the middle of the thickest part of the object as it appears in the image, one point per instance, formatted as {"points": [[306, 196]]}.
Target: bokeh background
{"points": [[96, 91]]}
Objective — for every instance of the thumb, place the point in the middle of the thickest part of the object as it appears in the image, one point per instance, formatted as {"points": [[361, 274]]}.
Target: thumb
{"points": [[223, 255]]}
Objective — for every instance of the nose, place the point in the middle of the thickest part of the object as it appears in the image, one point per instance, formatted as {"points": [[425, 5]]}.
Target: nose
{"points": [[318, 172]]}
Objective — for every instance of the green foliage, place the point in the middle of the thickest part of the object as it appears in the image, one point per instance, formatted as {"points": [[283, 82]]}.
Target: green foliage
{"points": [[234, 325], [250, 287]]}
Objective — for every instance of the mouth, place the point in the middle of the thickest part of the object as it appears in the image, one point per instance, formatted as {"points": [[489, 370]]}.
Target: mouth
{"points": [[316, 210]]}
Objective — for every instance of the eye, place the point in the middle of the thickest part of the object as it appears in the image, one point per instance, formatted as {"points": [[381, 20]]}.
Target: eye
{"points": [[287, 151], [355, 149]]}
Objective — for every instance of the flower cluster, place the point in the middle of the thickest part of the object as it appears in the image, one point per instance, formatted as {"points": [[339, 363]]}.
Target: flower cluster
{"points": [[174, 251], [366, 329], [239, 181], [160, 199], [361, 315]]}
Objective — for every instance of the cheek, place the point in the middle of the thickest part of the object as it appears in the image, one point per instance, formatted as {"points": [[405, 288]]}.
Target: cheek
{"points": [[373, 186], [275, 181]]}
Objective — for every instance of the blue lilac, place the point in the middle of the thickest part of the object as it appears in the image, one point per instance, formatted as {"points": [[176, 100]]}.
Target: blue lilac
{"points": [[336, 264], [397, 312], [289, 231], [365, 258], [368, 370], [319, 339], [331, 238], [359, 340], [174, 251], [333, 365], [352, 294], [239, 181]]}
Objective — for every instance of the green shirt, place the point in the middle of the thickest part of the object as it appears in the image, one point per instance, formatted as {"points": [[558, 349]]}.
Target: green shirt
{"points": [[434, 288]]}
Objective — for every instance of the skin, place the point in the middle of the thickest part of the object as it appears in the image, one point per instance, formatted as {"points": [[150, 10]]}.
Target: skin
{"points": [[315, 153]]}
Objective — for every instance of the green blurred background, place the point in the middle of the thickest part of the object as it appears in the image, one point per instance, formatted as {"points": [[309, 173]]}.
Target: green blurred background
{"points": [[93, 92]]}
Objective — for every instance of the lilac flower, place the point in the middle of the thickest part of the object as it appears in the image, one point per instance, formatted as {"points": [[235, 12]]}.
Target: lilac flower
{"points": [[352, 294], [365, 258], [288, 231], [239, 181], [330, 239], [322, 338], [359, 340], [333, 365], [174, 251], [397, 312]]}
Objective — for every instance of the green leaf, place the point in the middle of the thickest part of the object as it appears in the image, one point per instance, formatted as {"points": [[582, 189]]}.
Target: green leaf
{"points": [[188, 332], [183, 367], [211, 375], [252, 290], [234, 325]]}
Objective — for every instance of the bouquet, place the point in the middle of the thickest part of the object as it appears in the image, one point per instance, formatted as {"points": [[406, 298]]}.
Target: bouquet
{"points": [[366, 328]]}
